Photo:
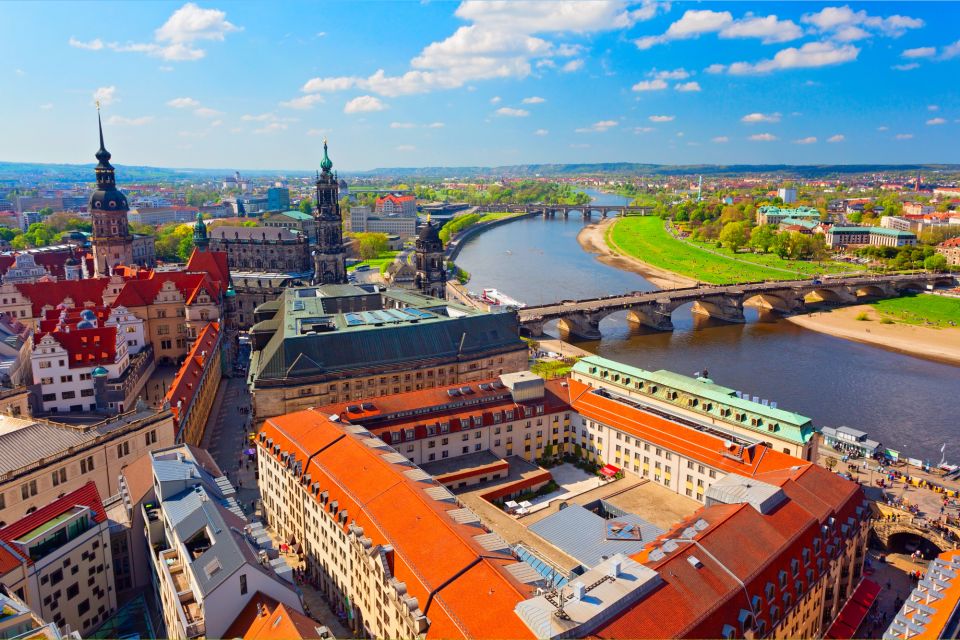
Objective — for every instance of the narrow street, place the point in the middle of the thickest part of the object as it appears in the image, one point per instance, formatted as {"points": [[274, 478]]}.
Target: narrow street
{"points": [[226, 438]]}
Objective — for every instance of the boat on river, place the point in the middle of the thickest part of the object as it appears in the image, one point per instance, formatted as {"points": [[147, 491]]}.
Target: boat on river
{"points": [[497, 298]]}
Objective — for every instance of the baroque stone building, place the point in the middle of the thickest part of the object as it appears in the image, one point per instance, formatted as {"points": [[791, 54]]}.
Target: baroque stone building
{"points": [[431, 278], [272, 249], [112, 241], [329, 264]]}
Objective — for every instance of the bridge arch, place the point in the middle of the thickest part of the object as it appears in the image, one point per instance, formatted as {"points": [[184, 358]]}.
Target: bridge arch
{"points": [[910, 541], [910, 286], [871, 291], [825, 294], [770, 301]]}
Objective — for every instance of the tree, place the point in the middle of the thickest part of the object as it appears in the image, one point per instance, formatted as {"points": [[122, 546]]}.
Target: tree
{"points": [[9, 234], [371, 245], [38, 235], [762, 239], [64, 221], [734, 236], [306, 205], [936, 263], [46, 211]]}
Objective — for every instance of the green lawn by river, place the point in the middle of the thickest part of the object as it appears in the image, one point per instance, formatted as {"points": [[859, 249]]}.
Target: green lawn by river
{"points": [[922, 309], [645, 238]]}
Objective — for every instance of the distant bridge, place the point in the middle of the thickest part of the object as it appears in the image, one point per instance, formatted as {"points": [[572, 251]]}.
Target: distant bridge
{"points": [[581, 318], [887, 531], [551, 210]]}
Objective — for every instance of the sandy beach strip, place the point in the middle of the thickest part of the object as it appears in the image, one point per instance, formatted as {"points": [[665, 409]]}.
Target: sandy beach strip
{"points": [[923, 342], [592, 239]]}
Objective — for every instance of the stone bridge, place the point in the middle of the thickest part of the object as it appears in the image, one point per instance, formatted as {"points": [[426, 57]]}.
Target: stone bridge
{"points": [[551, 210], [887, 530], [581, 318]]}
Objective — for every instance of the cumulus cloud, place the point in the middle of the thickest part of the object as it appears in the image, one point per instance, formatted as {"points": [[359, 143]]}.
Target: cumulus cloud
{"points": [[687, 86], [920, 52], [807, 140], [810, 55], [413, 125], [533, 100], [105, 95], [512, 113], [91, 45], [176, 39], [541, 132], [696, 22], [183, 103], [936, 121], [501, 39], [650, 85], [720, 139], [763, 137], [910, 66], [303, 102], [662, 118], [843, 22], [364, 104], [839, 137], [207, 112], [402, 125], [760, 117], [598, 127], [950, 51]]}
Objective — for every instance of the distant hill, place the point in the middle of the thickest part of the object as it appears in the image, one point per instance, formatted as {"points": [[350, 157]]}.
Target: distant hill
{"points": [[73, 173]]}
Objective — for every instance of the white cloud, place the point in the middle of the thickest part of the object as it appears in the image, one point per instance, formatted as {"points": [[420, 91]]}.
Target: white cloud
{"points": [[807, 140], [933, 107], [405, 147], [662, 118], [904, 136], [920, 52], [207, 112], [650, 85], [540, 132], [936, 121], [512, 113], [767, 29], [639, 130], [906, 67], [839, 137], [716, 68], [263, 117], [696, 22], [129, 122], [763, 137], [761, 117], [183, 103], [435, 125], [341, 83], [883, 128], [687, 86], [598, 127], [176, 39], [810, 55], [851, 33], [47, 106], [321, 34], [676, 74], [317, 132], [273, 127], [91, 45], [501, 39], [841, 21], [402, 125], [413, 125], [105, 95], [950, 51], [533, 100], [303, 102], [364, 104], [720, 139]]}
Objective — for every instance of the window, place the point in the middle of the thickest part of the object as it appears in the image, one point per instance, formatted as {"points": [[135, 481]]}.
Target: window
{"points": [[44, 364], [59, 476], [150, 437], [243, 585], [68, 395], [56, 577], [86, 464], [73, 591], [123, 449], [28, 489], [83, 607]]}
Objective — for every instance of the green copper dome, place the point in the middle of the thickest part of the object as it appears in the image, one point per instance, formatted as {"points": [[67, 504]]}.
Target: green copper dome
{"points": [[326, 164], [99, 372]]}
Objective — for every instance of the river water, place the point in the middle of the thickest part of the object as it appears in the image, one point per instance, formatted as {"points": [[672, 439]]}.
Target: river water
{"points": [[909, 404]]}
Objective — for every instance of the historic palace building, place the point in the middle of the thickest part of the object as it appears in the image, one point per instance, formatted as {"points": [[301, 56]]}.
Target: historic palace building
{"points": [[329, 264]]}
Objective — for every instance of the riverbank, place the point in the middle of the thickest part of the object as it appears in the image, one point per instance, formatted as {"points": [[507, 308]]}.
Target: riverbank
{"points": [[592, 239], [925, 342]]}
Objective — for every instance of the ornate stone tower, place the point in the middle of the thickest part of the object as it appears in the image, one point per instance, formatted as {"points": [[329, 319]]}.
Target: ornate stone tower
{"points": [[112, 242], [431, 277], [200, 239], [329, 266]]}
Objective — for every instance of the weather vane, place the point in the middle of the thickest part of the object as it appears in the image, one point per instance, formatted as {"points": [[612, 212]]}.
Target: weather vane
{"points": [[98, 104]]}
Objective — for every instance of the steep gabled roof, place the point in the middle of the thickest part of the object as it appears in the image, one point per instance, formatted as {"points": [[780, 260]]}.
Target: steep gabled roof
{"points": [[87, 292], [86, 347], [86, 496], [187, 381], [266, 619], [212, 263]]}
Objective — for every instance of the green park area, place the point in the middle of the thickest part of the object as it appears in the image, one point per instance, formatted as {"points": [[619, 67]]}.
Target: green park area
{"points": [[551, 369], [921, 309], [380, 263], [801, 268], [646, 238]]}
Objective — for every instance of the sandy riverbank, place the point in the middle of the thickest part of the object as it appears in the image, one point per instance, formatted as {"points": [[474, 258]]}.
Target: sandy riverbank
{"points": [[592, 239], [924, 342]]}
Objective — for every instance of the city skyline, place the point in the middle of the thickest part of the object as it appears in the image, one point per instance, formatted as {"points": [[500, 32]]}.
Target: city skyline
{"points": [[246, 85]]}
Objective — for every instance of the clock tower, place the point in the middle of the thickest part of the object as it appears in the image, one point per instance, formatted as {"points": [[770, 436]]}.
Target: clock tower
{"points": [[112, 241], [329, 256]]}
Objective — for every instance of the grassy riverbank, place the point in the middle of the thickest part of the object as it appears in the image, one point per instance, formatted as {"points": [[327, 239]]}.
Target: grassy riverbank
{"points": [[801, 268], [646, 239], [380, 263], [921, 310]]}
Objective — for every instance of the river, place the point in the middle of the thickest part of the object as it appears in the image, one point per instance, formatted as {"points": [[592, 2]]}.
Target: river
{"points": [[910, 404]]}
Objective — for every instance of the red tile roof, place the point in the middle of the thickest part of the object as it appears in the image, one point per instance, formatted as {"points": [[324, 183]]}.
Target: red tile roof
{"points": [[9, 558], [88, 292], [86, 496], [212, 263], [188, 378], [395, 199], [143, 291], [464, 590], [70, 317], [274, 621], [86, 347], [52, 260]]}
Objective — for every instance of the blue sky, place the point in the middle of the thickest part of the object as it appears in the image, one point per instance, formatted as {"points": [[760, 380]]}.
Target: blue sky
{"points": [[257, 85]]}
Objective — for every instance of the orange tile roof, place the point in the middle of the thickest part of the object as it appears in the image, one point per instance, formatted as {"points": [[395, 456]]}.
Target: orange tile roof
{"points": [[703, 447], [213, 263], [461, 588], [271, 621], [87, 292], [184, 386]]}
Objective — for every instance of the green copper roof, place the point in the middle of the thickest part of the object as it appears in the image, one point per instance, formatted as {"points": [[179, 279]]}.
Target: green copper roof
{"points": [[793, 427], [296, 215], [326, 164]]}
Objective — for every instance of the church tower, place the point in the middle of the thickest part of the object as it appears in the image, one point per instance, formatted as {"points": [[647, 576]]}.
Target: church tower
{"points": [[112, 242], [431, 277], [329, 266], [200, 239]]}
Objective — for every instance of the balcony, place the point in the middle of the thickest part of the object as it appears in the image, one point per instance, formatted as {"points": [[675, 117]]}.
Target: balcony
{"points": [[189, 611]]}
